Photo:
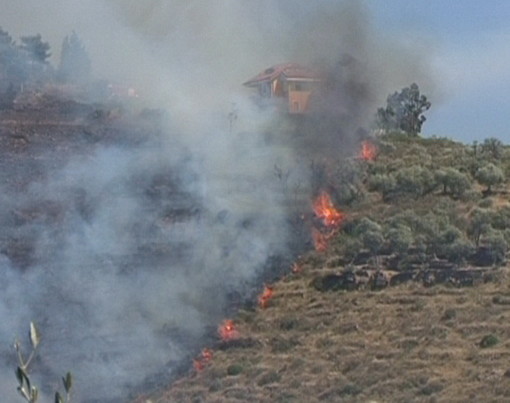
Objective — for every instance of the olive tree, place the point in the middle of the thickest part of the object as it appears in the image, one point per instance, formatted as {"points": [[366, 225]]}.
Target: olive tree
{"points": [[489, 175], [480, 224], [492, 148], [399, 238], [453, 182], [415, 180]]}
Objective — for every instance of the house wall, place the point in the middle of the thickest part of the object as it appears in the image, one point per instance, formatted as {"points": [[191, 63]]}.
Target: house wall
{"points": [[277, 88], [298, 101]]}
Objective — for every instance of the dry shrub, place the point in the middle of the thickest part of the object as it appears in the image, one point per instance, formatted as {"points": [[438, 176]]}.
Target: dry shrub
{"points": [[269, 377]]}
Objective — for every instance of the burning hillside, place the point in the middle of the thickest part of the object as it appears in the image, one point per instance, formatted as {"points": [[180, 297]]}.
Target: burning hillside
{"points": [[129, 236], [400, 288]]}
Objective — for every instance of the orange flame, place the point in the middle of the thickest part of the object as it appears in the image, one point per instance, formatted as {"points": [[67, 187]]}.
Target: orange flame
{"points": [[368, 151], [200, 362], [227, 330], [325, 210], [207, 354], [266, 295]]}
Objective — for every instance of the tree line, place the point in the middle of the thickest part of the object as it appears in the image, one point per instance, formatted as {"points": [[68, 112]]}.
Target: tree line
{"points": [[27, 64]]}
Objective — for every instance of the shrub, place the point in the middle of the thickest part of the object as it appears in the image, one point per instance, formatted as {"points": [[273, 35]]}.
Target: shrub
{"points": [[501, 218], [384, 184], [497, 245], [459, 250], [365, 225], [347, 183], [269, 377], [373, 241], [449, 314], [288, 323], [431, 388], [485, 203], [489, 341], [399, 238], [282, 345], [350, 389], [234, 369]]}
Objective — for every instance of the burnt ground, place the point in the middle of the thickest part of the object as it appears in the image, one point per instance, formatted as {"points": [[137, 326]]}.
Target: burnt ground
{"points": [[36, 143]]}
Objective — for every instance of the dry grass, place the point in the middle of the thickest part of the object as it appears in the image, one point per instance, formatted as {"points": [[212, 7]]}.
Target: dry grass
{"points": [[406, 343]]}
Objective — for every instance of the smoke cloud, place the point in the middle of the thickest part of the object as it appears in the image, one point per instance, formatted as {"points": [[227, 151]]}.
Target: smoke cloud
{"points": [[146, 240]]}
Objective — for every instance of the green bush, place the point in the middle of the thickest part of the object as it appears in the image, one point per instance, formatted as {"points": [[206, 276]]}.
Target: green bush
{"points": [[366, 225], [485, 203], [496, 243], [459, 250], [399, 238], [449, 314], [234, 369], [373, 241], [384, 184], [350, 389], [489, 341]]}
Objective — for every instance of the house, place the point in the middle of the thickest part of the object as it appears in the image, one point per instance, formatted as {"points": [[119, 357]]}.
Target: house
{"points": [[290, 82]]}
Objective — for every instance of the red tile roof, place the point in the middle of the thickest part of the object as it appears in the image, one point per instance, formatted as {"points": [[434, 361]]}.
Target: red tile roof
{"points": [[289, 70]]}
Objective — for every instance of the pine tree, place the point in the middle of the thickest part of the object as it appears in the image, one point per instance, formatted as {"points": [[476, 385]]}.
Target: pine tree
{"points": [[35, 48], [75, 63]]}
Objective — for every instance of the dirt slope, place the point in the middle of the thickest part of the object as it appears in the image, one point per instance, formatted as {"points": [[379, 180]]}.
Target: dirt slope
{"points": [[401, 344]]}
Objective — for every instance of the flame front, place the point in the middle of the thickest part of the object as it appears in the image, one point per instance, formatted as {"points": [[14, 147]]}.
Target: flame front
{"points": [[200, 362], [266, 295], [368, 151], [330, 218], [227, 330], [325, 210]]}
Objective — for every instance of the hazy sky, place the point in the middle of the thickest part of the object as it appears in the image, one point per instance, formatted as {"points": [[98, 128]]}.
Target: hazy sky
{"points": [[470, 51], [466, 41]]}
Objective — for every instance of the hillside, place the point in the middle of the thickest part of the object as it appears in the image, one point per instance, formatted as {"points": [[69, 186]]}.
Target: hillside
{"points": [[405, 300]]}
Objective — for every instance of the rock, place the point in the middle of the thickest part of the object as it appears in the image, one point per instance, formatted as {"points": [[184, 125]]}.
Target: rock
{"points": [[402, 277], [378, 280]]}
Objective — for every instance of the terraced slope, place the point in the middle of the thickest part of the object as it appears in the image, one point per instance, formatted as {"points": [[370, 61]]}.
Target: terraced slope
{"points": [[411, 342], [401, 344]]}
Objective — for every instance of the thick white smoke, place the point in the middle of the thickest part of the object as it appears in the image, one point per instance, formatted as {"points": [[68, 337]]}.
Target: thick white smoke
{"points": [[120, 292]]}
